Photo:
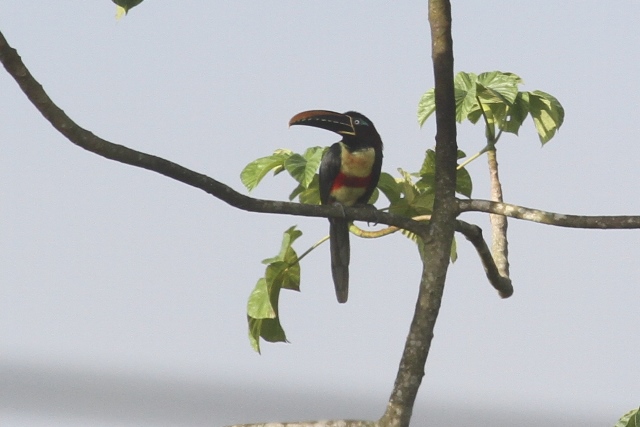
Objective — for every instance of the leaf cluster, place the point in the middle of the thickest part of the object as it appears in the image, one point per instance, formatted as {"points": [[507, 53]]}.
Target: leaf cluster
{"points": [[282, 272], [495, 97]]}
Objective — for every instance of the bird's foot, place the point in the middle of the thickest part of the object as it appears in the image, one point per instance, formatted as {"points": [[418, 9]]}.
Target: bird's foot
{"points": [[371, 208]]}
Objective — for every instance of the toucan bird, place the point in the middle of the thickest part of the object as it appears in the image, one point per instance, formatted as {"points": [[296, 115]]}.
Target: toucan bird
{"points": [[349, 172]]}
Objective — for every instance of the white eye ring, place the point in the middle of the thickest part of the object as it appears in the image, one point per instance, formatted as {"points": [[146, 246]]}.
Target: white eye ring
{"points": [[356, 122]]}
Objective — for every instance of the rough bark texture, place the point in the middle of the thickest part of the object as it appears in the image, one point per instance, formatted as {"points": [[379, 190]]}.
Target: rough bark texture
{"points": [[437, 243]]}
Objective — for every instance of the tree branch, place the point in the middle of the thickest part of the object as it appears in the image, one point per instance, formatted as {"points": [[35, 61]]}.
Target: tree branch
{"points": [[499, 240], [550, 218], [473, 233], [500, 282], [87, 140], [437, 245]]}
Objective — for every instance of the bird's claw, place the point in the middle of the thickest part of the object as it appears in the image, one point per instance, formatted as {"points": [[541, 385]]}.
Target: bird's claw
{"points": [[375, 213]]}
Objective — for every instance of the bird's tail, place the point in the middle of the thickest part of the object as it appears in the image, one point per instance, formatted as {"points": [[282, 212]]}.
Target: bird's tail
{"points": [[340, 254]]}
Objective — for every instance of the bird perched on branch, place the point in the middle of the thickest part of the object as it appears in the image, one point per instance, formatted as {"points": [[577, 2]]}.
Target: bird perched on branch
{"points": [[349, 173]]}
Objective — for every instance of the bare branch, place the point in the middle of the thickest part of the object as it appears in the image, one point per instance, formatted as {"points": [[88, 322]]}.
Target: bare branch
{"points": [[499, 241], [87, 140], [550, 218], [500, 282]]}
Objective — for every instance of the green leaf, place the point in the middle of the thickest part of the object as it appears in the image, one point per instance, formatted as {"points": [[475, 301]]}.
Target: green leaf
{"points": [[496, 87], [547, 114], [463, 182], [516, 113], [303, 167], [630, 419], [465, 93], [426, 106], [289, 236], [253, 173], [283, 271], [127, 4], [428, 164], [422, 204], [408, 188], [259, 305], [310, 195], [389, 187], [268, 329], [428, 173], [283, 274]]}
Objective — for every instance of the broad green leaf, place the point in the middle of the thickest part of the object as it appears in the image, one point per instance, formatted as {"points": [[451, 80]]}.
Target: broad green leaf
{"points": [[547, 114], [271, 330], [426, 106], [630, 419], [498, 87], [374, 196], [288, 237], [389, 187], [310, 195], [268, 329], [408, 188], [428, 164], [516, 113], [283, 271], [465, 93], [283, 274], [464, 185], [303, 167], [428, 172], [259, 305], [253, 173], [423, 204], [400, 207]]}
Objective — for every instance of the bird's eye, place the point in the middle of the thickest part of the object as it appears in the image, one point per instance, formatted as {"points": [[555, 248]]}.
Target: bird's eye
{"points": [[356, 122]]}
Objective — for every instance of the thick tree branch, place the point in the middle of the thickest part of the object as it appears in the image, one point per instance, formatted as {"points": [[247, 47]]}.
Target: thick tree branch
{"points": [[437, 246], [87, 140], [550, 218]]}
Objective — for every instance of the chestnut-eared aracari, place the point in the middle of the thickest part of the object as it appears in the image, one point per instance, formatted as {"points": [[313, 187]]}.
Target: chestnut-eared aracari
{"points": [[349, 172]]}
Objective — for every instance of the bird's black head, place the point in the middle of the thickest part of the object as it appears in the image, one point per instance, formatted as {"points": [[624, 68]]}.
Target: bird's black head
{"points": [[356, 129]]}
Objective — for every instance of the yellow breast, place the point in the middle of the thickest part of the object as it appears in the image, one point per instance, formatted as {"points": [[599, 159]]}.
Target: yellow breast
{"points": [[357, 163]]}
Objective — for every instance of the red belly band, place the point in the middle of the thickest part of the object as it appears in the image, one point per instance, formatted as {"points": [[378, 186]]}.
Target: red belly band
{"points": [[343, 180]]}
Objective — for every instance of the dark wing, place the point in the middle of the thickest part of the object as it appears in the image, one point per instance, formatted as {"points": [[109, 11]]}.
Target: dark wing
{"points": [[329, 169]]}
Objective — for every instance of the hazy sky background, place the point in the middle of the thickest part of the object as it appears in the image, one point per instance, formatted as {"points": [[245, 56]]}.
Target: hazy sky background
{"points": [[123, 293]]}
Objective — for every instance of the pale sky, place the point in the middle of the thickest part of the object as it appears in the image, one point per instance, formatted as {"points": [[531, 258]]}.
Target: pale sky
{"points": [[123, 293]]}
